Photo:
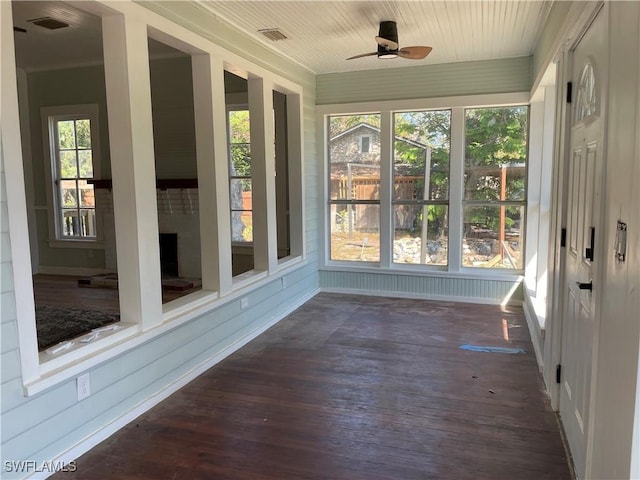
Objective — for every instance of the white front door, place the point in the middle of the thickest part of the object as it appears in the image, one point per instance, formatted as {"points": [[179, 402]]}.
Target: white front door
{"points": [[584, 187]]}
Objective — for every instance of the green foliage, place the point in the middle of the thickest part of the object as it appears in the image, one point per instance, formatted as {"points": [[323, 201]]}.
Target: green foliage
{"points": [[341, 123], [430, 129], [495, 136], [74, 142], [496, 144], [240, 141]]}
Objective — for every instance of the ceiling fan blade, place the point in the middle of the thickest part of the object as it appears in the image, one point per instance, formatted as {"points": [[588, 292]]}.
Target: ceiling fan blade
{"points": [[417, 52], [19, 29], [363, 55], [386, 43]]}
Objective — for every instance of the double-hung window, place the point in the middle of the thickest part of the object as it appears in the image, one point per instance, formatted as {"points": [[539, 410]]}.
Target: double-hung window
{"points": [[71, 134]]}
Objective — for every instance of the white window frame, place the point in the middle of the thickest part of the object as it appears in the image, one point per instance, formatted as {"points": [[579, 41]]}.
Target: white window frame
{"points": [[49, 117], [386, 109]]}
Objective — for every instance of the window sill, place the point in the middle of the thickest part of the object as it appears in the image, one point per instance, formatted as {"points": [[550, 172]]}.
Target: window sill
{"points": [[81, 357], [91, 244]]}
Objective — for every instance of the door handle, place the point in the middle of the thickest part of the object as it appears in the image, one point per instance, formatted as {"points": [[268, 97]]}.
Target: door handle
{"points": [[588, 252], [585, 286]]}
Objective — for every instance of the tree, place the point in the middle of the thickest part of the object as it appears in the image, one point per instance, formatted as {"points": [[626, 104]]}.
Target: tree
{"points": [[342, 123], [496, 144], [240, 142]]}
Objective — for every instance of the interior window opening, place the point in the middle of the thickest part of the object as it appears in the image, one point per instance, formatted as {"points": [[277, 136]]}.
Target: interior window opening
{"points": [[176, 170], [240, 173], [67, 160], [283, 219]]}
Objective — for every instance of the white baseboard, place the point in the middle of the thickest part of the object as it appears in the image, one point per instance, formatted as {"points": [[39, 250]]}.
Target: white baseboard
{"points": [[109, 429], [439, 298], [535, 332], [75, 271]]}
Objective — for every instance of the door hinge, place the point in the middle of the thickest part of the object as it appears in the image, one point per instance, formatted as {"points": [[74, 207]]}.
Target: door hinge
{"points": [[569, 91], [558, 373], [563, 237]]}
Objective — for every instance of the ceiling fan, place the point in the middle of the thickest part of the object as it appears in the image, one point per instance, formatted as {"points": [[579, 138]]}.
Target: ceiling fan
{"points": [[388, 45]]}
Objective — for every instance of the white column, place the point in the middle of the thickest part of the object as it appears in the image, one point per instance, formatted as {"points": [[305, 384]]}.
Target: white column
{"points": [[213, 176], [456, 189], [14, 190], [263, 172], [126, 64]]}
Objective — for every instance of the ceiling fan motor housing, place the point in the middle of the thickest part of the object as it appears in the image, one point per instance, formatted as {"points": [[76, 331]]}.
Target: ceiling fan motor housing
{"points": [[389, 31]]}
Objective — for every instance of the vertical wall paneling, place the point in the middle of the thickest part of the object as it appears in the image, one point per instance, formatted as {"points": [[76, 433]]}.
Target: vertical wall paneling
{"points": [[479, 289]]}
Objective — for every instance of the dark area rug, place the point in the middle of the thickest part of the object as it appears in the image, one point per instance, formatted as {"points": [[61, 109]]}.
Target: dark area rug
{"points": [[57, 324]]}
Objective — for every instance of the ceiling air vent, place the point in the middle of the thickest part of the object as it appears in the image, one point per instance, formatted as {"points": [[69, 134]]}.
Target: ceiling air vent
{"points": [[273, 34], [48, 23]]}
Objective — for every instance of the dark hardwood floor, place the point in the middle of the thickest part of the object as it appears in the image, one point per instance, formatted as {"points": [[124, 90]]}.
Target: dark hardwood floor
{"points": [[353, 387]]}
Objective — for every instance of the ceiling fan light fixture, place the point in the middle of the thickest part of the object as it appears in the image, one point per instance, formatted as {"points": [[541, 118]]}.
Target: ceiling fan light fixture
{"points": [[388, 47]]}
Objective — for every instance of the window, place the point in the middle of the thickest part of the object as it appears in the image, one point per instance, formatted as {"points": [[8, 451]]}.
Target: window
{"points": [[450, 193], [71, 137], [421, 187], [494, 187], [354, 190], [365, 144], [240, 176]]}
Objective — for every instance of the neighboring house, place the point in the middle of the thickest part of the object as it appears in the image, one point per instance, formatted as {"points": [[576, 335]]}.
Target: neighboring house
{"points": [[161, 348], [355, 164]]}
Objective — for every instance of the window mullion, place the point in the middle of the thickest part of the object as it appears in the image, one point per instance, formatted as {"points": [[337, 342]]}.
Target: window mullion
{"points": [[386, 209], [456, 189]]}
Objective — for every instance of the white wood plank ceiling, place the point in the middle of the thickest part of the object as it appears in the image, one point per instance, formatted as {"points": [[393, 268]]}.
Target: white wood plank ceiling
{"points": [[322, 34]]}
